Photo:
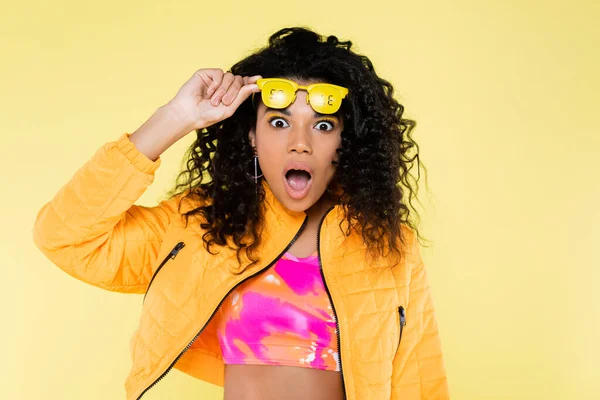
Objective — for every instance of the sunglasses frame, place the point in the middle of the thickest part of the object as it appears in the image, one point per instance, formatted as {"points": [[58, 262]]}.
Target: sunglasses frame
{"points": [[263, 81]]}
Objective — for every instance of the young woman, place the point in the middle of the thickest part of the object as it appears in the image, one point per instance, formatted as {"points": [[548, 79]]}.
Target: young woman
{"points": [[298, 275]]}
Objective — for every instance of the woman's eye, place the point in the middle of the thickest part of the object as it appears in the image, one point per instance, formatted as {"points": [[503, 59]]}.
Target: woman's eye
{"points": [[320, 124], [279, 122]]}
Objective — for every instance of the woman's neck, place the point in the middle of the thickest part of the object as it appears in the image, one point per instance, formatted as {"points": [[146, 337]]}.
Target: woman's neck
{"points": [[317, 210]]}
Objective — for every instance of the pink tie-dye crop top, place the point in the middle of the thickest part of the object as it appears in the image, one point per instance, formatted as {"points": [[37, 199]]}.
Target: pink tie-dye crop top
{"points": [[282, 316]]}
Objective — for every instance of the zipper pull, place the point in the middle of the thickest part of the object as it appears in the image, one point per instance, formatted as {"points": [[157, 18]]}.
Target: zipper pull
{"points": [[176, 249], [402, 315]]}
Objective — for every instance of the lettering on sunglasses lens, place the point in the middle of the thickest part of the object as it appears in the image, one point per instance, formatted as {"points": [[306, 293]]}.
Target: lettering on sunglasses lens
{"points": [[274, 94], [328, 102], [318, 99]]}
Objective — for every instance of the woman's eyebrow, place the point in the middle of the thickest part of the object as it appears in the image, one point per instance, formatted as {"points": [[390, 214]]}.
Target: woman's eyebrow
{"points": [[287, 112]]}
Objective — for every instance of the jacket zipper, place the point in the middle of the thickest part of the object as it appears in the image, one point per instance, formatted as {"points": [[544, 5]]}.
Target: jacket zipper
{"points": [[402, 323], [219, 306], [172, 254], [337, 326]]}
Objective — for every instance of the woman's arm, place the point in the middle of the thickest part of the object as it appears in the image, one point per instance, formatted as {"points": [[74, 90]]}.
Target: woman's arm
{"points": [[92, 230]]}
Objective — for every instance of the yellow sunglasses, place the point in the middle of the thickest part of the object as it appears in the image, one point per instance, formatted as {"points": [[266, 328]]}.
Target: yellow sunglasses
{"points": [[324, 98]]}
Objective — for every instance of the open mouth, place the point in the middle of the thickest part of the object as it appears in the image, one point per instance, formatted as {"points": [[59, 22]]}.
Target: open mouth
{"points": [[298, 181]]}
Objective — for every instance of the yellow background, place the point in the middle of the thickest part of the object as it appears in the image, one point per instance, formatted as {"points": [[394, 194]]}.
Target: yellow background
{"points": [[506, 98]]}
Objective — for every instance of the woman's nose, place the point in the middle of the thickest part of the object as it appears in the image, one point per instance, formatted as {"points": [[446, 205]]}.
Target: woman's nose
{"points": [[299, 140]]}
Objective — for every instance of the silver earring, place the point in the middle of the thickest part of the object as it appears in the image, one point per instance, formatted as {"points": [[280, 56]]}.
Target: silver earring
{"points": [[255, 176]]}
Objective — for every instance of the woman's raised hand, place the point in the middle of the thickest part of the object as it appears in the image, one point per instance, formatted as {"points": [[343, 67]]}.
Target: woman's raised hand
{"points": [[211, 96]]}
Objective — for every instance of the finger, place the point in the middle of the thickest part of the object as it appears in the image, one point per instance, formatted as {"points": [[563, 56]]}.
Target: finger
{"points": [[233, 90], [254, 78], [217, 77], [251, 79], [228, 79], [243, 94]]}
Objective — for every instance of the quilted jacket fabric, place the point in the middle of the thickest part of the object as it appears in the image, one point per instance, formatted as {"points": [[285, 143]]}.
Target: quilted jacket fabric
{"points": [[93, 231]]}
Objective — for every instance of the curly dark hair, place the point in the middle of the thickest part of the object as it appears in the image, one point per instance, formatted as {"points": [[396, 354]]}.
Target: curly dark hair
{"points": [[373, 171]]}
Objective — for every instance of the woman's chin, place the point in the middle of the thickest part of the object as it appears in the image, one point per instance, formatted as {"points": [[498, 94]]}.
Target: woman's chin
{"points": [[297, 205], [293, 204]]}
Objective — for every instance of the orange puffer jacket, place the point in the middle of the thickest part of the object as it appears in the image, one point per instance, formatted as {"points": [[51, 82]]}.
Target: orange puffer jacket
{"points": [[91, 229]]}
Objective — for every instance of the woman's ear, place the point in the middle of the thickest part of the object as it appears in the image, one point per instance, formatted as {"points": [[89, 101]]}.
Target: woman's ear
{"points": [[252, 137]]}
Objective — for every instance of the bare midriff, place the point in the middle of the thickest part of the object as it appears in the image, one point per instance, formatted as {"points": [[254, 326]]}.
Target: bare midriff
{"points": [[276, 382]]}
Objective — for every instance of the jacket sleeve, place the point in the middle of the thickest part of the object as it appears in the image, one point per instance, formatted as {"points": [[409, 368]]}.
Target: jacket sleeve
{"points": [[92, 230], [418, 367]]}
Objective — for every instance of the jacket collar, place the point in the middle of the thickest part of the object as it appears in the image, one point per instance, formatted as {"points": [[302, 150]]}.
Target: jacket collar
{"points": [[280, 226], [273, 207]]}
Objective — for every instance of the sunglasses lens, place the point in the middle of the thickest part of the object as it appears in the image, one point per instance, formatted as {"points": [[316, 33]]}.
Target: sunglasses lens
{"points": [[325, 99], [277, 94]]}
